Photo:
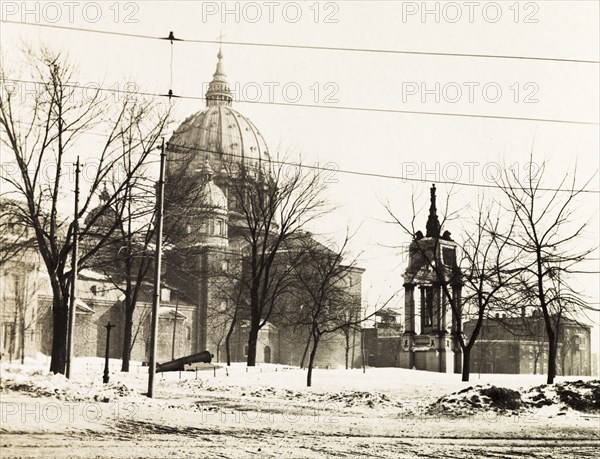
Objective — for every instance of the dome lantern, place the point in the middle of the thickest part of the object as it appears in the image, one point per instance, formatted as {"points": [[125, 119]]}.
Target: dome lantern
{"points": [[206, 173], [219, 92]]}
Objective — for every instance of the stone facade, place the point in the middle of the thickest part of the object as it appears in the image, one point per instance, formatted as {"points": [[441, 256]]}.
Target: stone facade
{"points": [[428, 341]]}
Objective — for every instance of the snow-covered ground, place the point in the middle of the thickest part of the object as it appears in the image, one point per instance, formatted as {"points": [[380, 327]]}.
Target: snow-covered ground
{"points": [[267, 411]]}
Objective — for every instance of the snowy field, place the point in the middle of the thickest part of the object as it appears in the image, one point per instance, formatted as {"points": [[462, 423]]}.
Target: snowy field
{"points": [[267, 411]]}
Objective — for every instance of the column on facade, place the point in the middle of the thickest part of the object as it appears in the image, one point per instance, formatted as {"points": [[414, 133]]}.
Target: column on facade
{"points": [[456, 294], [436, 309], [203, 302], [444, 306], [423, 308], [409, 308]]}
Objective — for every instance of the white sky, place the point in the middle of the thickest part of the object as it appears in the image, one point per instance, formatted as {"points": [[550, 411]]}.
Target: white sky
{"points": [[432, 147]]}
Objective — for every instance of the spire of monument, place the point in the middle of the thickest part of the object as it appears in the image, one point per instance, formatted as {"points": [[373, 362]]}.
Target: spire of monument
{"points": [[433, 223], [219, 92]]}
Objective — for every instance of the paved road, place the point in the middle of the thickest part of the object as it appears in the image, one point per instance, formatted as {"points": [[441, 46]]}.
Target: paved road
{"points": [[154, 441], [48, 428]]}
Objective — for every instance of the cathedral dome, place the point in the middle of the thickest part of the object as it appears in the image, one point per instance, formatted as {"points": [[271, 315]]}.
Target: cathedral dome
{"points": [[218, 132], [213, 197]]}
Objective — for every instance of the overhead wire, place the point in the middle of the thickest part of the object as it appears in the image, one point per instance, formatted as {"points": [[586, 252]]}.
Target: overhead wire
{"points": [[308, 47], [170, 94], [171, 38]]}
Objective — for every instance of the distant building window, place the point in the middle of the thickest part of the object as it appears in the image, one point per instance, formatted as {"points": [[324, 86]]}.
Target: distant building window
{"points": [[449, 256], [11, 285], [203, 227], [427, 306], [246, 350], [8, 335]]}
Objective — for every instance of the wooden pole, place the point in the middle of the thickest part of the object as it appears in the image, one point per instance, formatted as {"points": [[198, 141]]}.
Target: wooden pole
{"points": [[74, 256], [157, 266]]}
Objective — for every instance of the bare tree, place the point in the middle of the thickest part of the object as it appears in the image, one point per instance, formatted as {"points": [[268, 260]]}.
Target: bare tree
{"points": [[274, 203], [349, 328], [488, 274], [128, 259], [43, 134], [321, 278], [16, 237], [550, 240], [230, 290]]}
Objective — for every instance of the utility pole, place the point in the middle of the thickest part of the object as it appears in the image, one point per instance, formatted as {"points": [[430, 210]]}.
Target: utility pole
{"points": [[74, 256], [157, 262]]}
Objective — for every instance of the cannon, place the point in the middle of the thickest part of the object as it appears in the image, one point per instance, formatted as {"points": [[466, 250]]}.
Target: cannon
{"points": [[179, 364]]}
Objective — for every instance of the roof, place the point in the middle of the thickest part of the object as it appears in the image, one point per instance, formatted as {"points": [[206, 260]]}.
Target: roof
{"points": [[218, 132], [169, 313]]}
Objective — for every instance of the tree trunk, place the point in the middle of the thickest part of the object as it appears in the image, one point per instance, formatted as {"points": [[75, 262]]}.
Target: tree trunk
{"points": [[362, 351], [551, 358], [347, 356], [466, 366], [127, 336], [311, 361], [59, 335], [228, 340], [13, 348], [252, 341], [308, 341], [347, 336], [22, 339]]}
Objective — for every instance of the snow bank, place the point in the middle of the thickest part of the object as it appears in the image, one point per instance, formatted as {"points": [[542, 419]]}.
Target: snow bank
{"points": [[582, 396], [39, 383]]}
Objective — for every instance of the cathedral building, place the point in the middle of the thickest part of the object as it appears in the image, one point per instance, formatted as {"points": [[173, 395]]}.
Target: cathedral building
{"points": [[201, 306], [208, 156]]}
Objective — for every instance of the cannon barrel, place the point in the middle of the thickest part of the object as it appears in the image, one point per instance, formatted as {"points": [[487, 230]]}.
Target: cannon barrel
{"points": [[179, 364]]}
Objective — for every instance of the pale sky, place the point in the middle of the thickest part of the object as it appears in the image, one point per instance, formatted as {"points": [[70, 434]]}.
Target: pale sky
{"points": [[434, 148]]}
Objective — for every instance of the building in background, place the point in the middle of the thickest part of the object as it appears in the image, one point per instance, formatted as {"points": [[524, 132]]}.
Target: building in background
{"points": [[518, 345], [202, 263], [383, 342]]}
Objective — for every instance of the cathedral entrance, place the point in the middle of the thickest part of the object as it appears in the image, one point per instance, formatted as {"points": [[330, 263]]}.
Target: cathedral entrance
{"points": [[421, 360]]}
